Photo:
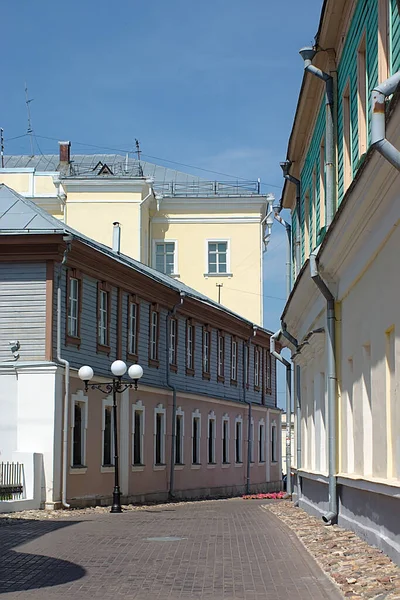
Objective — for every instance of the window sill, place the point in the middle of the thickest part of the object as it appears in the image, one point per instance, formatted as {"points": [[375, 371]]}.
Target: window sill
{"points": [[195, 466], [190, 372], [159, 467], [239, 464], [103, 349], [155, 363], [211, 465], [206, 376], [107, 469], [256, 388], [218, 275], [174, 275], [173, 368], [71, 340], [77, 470], [132, 357], [137, 468], [221, 379], [261, 462], [179, 467], [225, 465], [234, 382]]}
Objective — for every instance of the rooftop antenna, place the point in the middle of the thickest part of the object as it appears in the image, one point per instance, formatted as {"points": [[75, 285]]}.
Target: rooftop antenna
{"points": [[138, 151], [2, 146], [29, 130]]}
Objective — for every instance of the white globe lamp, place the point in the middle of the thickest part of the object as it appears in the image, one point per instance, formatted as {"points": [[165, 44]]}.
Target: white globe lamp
{"points": [[135, 372], [85, 373], [118, 368]]}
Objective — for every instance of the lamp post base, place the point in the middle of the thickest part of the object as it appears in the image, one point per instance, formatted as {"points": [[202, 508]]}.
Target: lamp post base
{"points": [[116, 505]]}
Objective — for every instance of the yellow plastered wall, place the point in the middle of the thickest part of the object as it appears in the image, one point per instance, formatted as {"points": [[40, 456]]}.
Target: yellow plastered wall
{"points": [[44, 185], [241, 292], [93, 214], [20, 182]]}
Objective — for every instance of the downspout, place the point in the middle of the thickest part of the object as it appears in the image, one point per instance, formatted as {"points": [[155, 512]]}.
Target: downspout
{"points": [[378, 120], [140, 257], [248, 402], [331, 516], [307, 55], [64, 362], [288, 229], [172, 313], [286, 363], [285, 166]]}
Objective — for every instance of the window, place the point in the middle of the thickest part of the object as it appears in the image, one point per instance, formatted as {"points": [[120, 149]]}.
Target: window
{"points": [[261, 441], [313, 220], [165, 257], [268, 367], [211, 438], [173, 343], [107, 432], [252, 441], [154, 335], [257, 368], [322, 210], [190, 332], [347, 174], [79, 426], [221, 357], [246, 365], [74, 302], [384, 69], [103, 316], [196, 438], [217, 257], [225, 439], [238, 439], [179, 437], [306, 226], [138, 433], [362, 97], [159, 435], [274, 442], [234, 360], [133, 327], [206, 352]]}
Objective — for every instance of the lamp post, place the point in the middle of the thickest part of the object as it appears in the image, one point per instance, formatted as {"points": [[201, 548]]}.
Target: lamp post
{"points": [[116, 386]]}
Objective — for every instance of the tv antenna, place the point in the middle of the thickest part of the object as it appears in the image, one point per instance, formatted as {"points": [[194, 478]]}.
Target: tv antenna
{"points": [[2, 147], [138, 151], [29, 130]]}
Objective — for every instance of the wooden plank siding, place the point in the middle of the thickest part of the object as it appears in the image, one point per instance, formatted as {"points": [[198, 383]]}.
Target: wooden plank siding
{"points": [[23, 310]]}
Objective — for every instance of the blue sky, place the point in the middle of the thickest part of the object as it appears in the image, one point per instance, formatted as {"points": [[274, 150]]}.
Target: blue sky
{"points": [[212, 84]]}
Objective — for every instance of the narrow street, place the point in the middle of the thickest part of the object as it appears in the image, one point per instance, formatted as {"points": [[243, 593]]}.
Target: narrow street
{"points": [[227, 549]]}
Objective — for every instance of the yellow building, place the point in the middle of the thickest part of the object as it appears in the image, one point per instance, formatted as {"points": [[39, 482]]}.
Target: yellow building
{"points": [[207, 234]]}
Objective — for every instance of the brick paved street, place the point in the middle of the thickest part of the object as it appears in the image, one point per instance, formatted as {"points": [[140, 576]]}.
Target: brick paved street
{"points": [[213, 550]]}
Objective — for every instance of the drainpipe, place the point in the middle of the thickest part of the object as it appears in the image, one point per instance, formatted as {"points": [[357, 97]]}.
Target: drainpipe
{"points": [[331, 517], [307, 55], [285, 166], [378, 120], [285, 362], [277, 209], [63, 361], [172, 313], [248, 402]]}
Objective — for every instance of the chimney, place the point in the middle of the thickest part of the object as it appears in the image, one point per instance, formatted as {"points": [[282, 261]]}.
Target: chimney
{"points": [[65, 152], [116, 246]]}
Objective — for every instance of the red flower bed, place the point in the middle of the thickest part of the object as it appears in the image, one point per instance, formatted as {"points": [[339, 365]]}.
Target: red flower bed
{"points": [[270, 496]]}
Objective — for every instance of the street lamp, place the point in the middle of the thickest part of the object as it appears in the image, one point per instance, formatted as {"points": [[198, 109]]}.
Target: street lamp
{"points": [[117, 385]]}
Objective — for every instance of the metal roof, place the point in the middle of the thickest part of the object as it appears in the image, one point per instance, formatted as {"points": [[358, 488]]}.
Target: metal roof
{"points": [[19, 215], [168, 182]]}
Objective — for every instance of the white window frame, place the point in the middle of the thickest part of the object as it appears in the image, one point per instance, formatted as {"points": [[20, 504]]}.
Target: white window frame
{"points": [[180, 413], [261, 441], [133, 331], [239, 419], [196, 415], [206, 349], [160, 410], [211, 419], [79, 398], [274, 442], [257, 367], [173, 330], [221, 354], [252, 441], [138, 407], [153, 333], [103, 317], [225, 419], [226, 241], [166, 241], [73, 307], [190, 336], [107, 403], [234, 359]]}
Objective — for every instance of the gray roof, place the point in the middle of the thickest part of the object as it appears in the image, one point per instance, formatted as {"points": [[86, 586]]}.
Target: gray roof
{"points": [[20, 215], [166, 181]]}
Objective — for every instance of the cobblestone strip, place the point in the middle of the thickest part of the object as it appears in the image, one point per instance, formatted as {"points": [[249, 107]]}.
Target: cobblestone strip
{"points": [[359, 570]]}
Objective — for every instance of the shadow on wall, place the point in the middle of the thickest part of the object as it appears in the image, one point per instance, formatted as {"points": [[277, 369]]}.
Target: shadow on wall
{"points": [[22, 571]]}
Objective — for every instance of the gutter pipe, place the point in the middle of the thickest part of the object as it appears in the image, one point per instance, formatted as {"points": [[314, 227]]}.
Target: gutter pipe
{"points": [[286, 175], [378, 120], [307, 55], [64, 362], [288, 228], [172, 313], [248, 402], [331, 516], [287, 364]]}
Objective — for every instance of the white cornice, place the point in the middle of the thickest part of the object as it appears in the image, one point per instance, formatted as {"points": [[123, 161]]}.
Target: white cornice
{"points": [[195, 220], [109, 185], [186, 204], [18, 170]]}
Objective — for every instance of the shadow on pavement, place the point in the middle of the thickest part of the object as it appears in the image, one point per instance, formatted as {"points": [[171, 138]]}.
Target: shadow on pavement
{"points": [[24, 571]]}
